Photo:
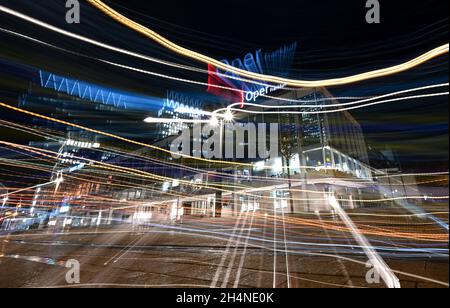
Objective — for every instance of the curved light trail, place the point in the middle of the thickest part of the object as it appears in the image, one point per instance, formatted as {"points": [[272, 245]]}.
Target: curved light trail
{"points": [[268, 232], [119, 137], [342, 109], [276, 80], [333, 105], [217, 112], [213, 186], [109, 47]]}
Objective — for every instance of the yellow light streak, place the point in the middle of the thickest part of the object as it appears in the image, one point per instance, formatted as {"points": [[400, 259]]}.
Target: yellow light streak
{"points": [[119, 137]]}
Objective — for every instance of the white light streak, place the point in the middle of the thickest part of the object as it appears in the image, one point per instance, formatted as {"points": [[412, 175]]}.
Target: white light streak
{"points": [[379, 265], [273, 79], [344, 109], [335, 105], [152, 120]]}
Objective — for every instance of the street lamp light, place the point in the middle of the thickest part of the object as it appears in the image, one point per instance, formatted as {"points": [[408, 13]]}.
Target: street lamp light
{"points": [[228, 116]]}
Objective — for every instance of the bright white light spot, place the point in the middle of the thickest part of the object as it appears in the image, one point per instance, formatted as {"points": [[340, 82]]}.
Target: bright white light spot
{"points": [[259, 166], [228, 116], [214, 121]]}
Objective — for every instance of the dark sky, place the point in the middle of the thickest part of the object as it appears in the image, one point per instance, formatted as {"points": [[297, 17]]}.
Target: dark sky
{"points": [[325, 26], [333, 38]]}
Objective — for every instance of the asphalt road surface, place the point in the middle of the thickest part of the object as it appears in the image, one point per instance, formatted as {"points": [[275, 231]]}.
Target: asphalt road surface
{"points": [[248, 251]]}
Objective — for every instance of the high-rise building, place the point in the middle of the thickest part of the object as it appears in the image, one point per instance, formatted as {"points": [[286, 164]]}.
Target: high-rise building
{"points": [[178, 106], [321, 139]]}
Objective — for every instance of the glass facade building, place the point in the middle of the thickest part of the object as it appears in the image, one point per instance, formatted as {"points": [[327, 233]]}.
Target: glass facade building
{"points": [[321, 140]]}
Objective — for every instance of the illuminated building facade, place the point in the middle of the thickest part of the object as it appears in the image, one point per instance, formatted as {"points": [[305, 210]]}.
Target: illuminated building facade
{"points": [[332, 141], [324, 144], [329, 150]]}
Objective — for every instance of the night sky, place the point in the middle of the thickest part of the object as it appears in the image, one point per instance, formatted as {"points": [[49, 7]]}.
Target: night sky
{"points": [[333, 36]]}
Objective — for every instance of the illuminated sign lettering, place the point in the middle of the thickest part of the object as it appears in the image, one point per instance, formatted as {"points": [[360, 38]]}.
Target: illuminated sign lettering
{"points": [[252, 96]]}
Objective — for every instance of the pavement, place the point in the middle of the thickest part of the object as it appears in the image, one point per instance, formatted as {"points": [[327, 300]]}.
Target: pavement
{"points": [[248, 251]]}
